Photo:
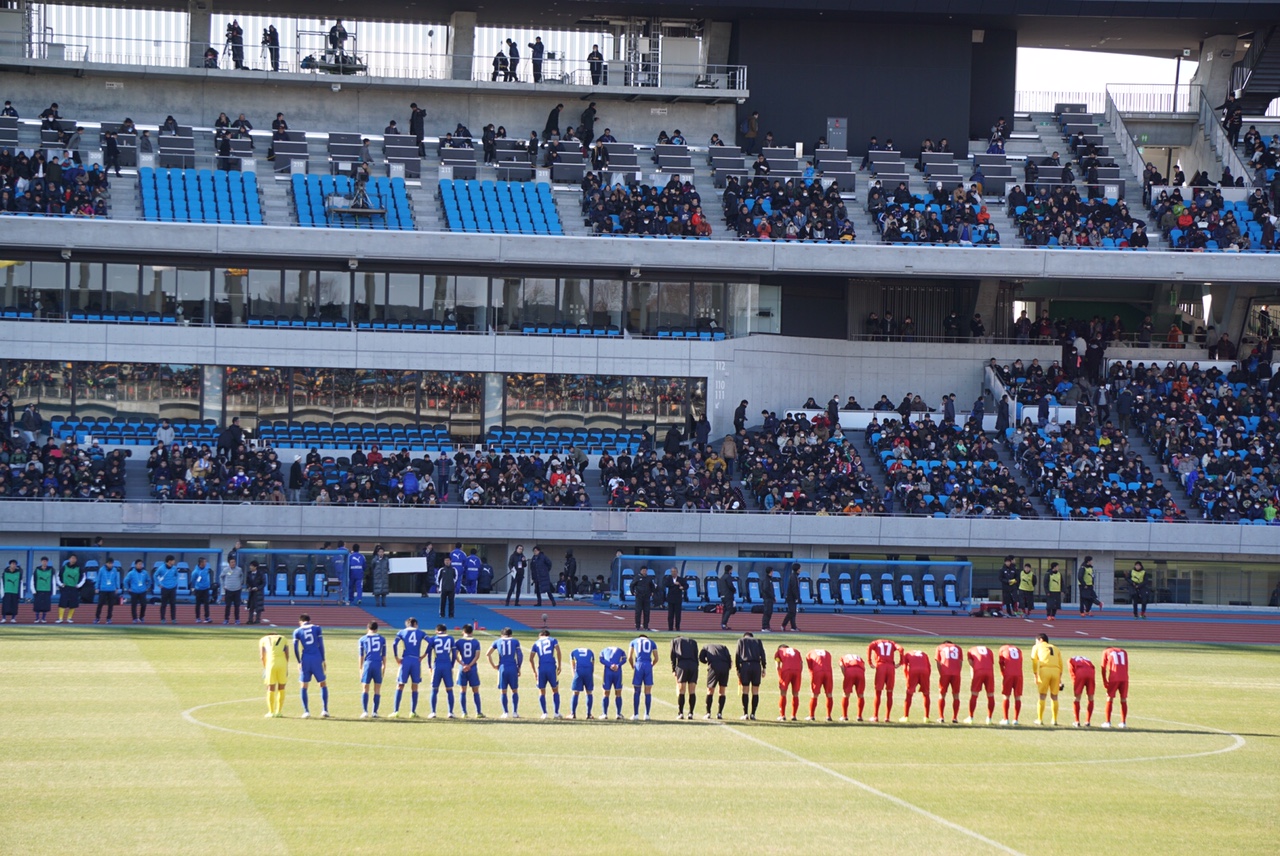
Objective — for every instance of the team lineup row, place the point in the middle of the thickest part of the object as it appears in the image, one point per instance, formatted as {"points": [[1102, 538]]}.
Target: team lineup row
{"points": [[412, 649]]}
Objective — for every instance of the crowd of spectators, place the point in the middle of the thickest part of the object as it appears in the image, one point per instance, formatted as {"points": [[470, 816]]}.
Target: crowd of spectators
{"points": [[674, 209], [1058, 216], [65, 471], [956, 217], [1202, 220], [43, 182], [794, 210]]}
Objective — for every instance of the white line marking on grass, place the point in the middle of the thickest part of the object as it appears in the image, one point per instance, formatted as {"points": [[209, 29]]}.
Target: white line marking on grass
{"points": [[1106, 639], [1081, 633], [898, 801], [892, 624]]}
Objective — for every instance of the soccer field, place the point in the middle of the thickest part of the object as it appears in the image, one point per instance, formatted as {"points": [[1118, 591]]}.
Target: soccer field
{"points": [[152, 740]]}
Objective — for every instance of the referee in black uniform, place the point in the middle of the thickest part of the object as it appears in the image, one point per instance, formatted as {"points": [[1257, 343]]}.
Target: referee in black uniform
{"points": [[750, 662], [719, 661], [684, 664], [642, 591], [676, 586]]}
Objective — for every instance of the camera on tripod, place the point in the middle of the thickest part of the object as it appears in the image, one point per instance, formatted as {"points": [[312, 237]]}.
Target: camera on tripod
{"points": [[231, 30], [266, 37]]}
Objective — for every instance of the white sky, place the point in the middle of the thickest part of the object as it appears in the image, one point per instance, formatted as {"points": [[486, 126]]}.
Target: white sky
{"points": [[1041, 70]]}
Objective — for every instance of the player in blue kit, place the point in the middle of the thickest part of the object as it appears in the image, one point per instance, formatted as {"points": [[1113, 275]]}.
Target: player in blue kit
{"points": [[508, 665], [468, 657], [612, 659], [408, 653], [584, 667], [545, 662], [355, 575], [441, 651], [643, 654], [373, 663], [308, 649]]}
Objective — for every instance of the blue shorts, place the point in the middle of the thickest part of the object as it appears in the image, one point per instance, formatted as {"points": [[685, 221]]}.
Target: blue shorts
{"points": [[470, 677], [442, 676], [548, 676], [642, 677], [584, 682], [612, 680], [371, 673], [311, 670], [410, 671], [508, 678]]}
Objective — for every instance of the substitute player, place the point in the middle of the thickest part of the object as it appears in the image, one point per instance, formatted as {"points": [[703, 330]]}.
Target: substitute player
{"points": [[718, 661], [1082, 683], [1115, 679], [274, 652], [749, 662], [544, 659], [1011, 681], [885, 656], [612, 659], [308, 648], [950, 662], [684, 665], [790, 669], [642, 657], [12, 584], [510, 658], [468, 656], [854, 669], [584, 680], [70, 580], [820, 679], [373, 663], [407, 649], [441, 652], [982, 677], [1046, 665], [917, 671]]}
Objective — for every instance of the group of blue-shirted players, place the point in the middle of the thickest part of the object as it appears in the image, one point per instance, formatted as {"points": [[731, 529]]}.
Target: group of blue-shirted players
{"points": [[442, 652]]}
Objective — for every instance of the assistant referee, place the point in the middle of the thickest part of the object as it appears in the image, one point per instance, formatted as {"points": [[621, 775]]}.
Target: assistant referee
{"points": [[684, 665], [719, 661]]}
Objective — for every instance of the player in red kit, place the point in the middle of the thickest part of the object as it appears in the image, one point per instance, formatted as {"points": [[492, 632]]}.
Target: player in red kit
{"points": [[981, 677], [790, 669], [917, 670], [885, 655], [950, 660], [1011, 660], [1082, 683], [855, 678], [1115, 678], [820, 679]]}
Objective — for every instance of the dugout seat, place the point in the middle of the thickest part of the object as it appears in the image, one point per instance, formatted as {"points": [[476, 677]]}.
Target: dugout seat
{"points": [[909, 591], [628, 575], [824, 589], [929, 588], [300, 586], [282, 584], [806, 589], [753, 588], [950, 597], [887, 596], [864, 590], [713, 588], [845, 589], [317, 585]]}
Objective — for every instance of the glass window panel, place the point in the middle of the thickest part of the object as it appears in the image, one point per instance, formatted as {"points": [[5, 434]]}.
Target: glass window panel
{"points": [[709, 305], [45, 384], [299, 292], [606, 303], [442, 298], [539, 304], [452, 399], [256, 393], [193, 296], [375, 395], [38, 287], [506, 303], [606, 401], [313, 394], [264, 287], [697, 389], [742, 303], [159, 289], [671, 404], [575, 301], [768, 316], [674, 303], [404, 296], [526, 400], [370, 297], [86, 287], [639, 402], [473, 302], [138, 389], [121, 289], [333, 295], [642, 308], [233, 291]]}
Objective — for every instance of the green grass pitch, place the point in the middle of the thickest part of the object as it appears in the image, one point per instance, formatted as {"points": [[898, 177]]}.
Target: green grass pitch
{"points": [[153, 740]]}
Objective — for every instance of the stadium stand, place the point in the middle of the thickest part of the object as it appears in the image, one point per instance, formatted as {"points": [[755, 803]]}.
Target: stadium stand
{"points": [[66, 187], [549, 440], [347, 435], [311, 195], [673, 211], [66, 471], [200, 196], [502, 207]]}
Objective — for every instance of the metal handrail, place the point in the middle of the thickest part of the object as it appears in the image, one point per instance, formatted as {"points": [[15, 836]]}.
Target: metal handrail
{"points": [[1127, 145], [1218, 140]]}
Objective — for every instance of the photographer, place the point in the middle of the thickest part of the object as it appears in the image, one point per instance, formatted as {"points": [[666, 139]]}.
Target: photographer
{"points": [[235, 40], [271, 41]]}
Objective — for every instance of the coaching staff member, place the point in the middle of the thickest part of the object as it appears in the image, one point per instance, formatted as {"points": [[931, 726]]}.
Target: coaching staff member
{"points": [[684, 665], [750, 662], [792, 597], [1009, 586], [642, 591], [727, 590], [768, 598], [676, 587], [516, 566], [719, 661]]}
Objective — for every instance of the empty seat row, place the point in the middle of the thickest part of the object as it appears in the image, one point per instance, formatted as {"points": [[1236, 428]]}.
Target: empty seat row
{"points": [[892, 591], [503, 207], [199, 196]]}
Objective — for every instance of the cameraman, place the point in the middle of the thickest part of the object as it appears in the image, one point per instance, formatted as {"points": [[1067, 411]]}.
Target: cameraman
{"points": [[235, 38], [271, 40]]}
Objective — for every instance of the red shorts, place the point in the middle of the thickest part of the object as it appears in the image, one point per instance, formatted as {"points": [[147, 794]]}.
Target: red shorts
{"points": [[855, 679], [1011, 684], [821, 682], [949, 682], [885, 678], [918, 681], [983, 681], [789, 680], [1118, 686], [1083, 682]]}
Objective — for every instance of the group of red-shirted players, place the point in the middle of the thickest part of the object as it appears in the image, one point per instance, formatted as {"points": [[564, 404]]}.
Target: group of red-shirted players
{"points": [[886, 656]]}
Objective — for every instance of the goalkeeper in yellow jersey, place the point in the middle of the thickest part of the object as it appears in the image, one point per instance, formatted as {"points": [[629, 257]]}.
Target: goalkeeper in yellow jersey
{"points": [[1047, 666], [274, 651]]}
